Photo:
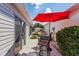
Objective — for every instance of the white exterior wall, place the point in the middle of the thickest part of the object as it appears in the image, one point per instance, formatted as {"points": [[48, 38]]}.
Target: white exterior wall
{"points": [[72, 21], [7, 30], [27, 35]]}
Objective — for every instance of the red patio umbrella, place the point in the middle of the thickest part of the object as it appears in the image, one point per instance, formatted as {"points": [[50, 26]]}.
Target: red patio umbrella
{"points": [[51, 17]]}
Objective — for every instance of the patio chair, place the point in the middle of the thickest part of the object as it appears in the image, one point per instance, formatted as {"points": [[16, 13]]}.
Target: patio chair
{"points": [[43, 42]]}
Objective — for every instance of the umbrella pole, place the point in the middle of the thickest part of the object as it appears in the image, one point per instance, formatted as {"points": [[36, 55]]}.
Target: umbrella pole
{"points": [[49, 32], [49, 49], [49, 36]]}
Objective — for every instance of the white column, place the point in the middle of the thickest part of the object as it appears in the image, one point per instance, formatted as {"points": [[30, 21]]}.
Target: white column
{"points": [[27, 35]]}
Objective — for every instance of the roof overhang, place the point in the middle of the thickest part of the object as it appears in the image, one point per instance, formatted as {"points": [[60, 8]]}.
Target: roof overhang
{"points": [[19, 9]]}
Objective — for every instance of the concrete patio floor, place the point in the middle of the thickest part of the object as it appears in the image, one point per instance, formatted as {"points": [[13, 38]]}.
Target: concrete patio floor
{"points": [[33, 49]]}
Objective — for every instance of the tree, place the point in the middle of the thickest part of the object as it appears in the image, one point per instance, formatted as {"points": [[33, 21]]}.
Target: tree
{"points": [[38, 25]]}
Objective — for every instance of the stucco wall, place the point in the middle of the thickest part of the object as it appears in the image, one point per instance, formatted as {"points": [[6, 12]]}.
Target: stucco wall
{"points": [[72, 21]]}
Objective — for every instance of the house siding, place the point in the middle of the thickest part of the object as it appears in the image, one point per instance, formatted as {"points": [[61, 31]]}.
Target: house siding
{"points": [[7, 30], [11, 28]]}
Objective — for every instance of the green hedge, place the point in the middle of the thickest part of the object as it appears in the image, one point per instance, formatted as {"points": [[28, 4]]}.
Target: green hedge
{"points": [[68, 41]]}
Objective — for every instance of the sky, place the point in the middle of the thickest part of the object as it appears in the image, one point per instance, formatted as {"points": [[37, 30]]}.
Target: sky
{"points": [[36, 8]]}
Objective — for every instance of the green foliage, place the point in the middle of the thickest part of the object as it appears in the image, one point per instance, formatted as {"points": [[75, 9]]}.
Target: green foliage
{"points": [[34, 37], [38, 25], [68, 41], [35, 33]]}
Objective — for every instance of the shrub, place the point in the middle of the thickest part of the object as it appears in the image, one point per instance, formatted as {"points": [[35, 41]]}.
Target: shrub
{"points": [[34, 37], [68, 41]]}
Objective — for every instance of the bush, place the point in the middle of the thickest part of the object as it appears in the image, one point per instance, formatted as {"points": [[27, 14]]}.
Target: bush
{"points": [[68, 41], [34, 37]]}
